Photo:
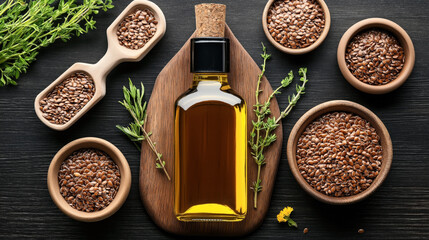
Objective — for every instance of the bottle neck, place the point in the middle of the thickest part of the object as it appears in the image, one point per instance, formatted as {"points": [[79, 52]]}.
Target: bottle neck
{"points": [[215, 77]]}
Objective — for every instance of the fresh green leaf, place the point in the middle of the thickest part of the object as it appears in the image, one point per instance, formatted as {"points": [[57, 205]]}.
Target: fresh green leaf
{"points": [[27, 26], [262, 134], [135, 131], [291, 222]]}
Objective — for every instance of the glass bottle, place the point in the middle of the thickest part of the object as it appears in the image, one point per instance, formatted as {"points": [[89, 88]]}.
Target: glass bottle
{"points": [[210, 140]]}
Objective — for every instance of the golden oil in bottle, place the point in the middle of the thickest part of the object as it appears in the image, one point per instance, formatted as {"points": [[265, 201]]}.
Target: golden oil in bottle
{"points": [[210, 143]]}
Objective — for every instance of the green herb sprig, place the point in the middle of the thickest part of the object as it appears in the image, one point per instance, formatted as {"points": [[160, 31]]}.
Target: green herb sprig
{"points": [[27, 26], [136, 132], [262, 134]]}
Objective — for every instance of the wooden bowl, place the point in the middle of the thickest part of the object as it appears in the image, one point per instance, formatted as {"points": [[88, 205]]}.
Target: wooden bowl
{"points": [[114, 153], [346, 106], [299, 50], [403, 39]]}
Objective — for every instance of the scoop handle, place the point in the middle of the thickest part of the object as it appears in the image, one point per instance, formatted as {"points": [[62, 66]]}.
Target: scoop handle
{"points": [[107, 63]]}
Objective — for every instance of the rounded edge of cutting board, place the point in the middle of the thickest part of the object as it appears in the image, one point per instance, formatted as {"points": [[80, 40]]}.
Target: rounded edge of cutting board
{"points": [[157, 193]]}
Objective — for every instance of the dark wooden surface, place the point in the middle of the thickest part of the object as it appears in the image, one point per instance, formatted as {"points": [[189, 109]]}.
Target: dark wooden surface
{"points": [[398, 210]]}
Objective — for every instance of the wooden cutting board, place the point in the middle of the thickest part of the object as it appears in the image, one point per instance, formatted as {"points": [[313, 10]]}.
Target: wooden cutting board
{"points": [[156, 191]]}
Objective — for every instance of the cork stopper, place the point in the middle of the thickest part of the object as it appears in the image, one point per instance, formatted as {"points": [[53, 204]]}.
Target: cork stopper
{"points": [[210, 20]]}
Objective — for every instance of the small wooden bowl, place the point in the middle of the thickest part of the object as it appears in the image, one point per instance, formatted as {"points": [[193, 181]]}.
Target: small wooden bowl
{"points": [[346, 106], [114, 153], [299, 50], [403, 39]]}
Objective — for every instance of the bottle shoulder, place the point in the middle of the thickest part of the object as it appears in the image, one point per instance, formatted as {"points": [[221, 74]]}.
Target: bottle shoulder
{"points": [[233, 92], [207, 93]]}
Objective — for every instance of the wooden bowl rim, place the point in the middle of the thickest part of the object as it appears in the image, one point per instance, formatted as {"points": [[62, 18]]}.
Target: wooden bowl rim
{"points": [[114, 153], [346, 106], [398, 32], [300, 50]]}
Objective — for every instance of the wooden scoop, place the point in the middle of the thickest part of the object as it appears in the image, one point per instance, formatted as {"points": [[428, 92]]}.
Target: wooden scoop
{"points": [[115, 54]]}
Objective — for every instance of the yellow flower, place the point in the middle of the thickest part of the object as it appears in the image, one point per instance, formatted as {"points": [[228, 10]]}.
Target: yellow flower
{"points": [[286, 211], [284, 216], [281, 218]]}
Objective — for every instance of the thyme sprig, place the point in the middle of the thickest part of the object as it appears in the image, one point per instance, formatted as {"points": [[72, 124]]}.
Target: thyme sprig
{"points": [[136, 132], [27, 26], [262, 135]]}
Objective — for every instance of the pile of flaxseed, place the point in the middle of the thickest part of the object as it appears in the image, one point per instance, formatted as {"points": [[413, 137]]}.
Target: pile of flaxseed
{"points": [[67, 98], [137, 29], [295, 23], [339, 154], [375, 57], [89, 180]]}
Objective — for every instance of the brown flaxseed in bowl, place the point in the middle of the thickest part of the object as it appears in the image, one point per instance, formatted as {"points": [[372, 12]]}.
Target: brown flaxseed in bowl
{"points": [[89, 179], [376, 55], [296, 26], [339, 152]]}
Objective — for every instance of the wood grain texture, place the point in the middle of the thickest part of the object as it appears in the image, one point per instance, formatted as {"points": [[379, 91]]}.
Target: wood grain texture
{"points": [[399, 209], [156, 191]]}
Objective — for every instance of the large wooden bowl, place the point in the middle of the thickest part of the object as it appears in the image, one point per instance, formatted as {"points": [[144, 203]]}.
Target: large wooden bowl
{"points": [[344, 106]]}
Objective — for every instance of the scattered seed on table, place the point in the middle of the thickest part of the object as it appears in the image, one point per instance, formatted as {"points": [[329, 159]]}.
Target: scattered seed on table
{"points": [[137, 29], [375, 57], [67, 98], [360, 231], [305, 231], [89, 180], [339, 154], [295, 23]]}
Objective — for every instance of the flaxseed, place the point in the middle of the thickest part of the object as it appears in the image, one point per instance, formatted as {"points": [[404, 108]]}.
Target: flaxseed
{"points": [[67, 98], [339, 154], [89, 180], [375, 57], [295, 23], [137, 29]]}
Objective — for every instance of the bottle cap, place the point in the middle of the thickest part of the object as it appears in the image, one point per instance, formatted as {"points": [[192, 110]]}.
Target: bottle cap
{"points": [[210, 55]]}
